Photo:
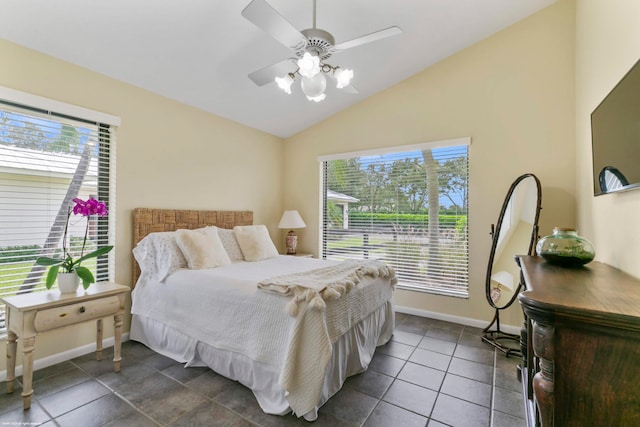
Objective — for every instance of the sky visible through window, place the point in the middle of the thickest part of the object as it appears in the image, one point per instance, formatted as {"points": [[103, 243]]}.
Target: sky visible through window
{"points": [[439, 154], [50, 129]]}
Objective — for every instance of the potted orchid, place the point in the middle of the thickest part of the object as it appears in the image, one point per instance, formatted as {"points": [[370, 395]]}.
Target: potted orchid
{"points": [[68, 263]]}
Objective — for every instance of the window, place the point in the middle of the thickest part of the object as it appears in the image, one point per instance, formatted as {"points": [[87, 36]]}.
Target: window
{"points": [[47, 158], [407, 206]]}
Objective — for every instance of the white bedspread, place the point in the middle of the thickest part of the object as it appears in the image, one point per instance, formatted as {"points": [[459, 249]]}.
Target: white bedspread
{"points": [[223, 308], [316, 329]]}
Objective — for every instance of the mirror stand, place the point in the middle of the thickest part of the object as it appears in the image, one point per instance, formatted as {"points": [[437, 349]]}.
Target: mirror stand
{"points": [[500, 339], [515, 232]]}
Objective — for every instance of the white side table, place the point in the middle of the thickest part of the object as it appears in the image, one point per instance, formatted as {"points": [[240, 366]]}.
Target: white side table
{"points": [[30, 314]]}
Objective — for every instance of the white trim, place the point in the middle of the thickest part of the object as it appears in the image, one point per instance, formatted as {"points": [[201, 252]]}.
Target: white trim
{"points": [[43, 103], [455, 319], [111, 260], [66, 355], [397, 149]]}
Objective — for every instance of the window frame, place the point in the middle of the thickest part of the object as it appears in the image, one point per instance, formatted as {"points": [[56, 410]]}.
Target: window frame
{"points": [[104, 127], [462, 291]]}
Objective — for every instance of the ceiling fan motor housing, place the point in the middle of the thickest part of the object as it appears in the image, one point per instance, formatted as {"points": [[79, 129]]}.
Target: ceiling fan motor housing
{"points": [[318, 41]]}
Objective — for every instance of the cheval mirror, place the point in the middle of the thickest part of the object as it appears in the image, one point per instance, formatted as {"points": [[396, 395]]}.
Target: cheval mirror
{"points": [[514, 234]]}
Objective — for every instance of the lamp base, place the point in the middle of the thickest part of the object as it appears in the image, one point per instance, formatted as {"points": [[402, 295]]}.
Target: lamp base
{"points": [[292, 242]]}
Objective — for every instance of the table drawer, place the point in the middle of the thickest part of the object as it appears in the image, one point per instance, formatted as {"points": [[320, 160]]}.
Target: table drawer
{"points": [[75, 313]]}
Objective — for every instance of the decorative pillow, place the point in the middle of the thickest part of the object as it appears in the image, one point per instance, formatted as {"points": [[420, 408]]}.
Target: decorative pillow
{"points": [[255, 242], [158, 255], [228, 239], [202, 248]]}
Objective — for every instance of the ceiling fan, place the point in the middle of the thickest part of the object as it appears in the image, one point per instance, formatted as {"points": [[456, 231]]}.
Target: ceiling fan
{"points": [[311, 47]]}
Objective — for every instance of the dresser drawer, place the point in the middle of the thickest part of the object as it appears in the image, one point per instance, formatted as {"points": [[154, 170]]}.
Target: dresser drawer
{"points": [[57, 317]]}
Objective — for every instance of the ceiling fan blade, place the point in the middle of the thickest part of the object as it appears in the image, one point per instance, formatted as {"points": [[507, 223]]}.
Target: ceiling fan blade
{"points": [[260, 13], [387, 32], [268, 74], [350, 89]]}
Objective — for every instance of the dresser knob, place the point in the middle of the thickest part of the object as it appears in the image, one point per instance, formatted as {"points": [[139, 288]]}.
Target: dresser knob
{"points": [[82, 309]]}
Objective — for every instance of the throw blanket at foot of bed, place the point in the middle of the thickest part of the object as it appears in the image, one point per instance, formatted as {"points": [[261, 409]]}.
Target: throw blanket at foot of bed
{"points": [[318, 324]]}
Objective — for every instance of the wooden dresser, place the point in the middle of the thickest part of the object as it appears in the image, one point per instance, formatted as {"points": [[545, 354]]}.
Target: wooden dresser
{"points": [[582, 346]]}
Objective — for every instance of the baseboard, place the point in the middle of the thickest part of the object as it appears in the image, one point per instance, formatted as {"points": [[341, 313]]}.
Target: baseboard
{"points": [[455, 319], [65, 355], [108, 342]]}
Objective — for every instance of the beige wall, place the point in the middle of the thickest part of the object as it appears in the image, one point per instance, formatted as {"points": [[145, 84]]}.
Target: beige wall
{"points": [[168, 155], [607, 46], [512, 93]]}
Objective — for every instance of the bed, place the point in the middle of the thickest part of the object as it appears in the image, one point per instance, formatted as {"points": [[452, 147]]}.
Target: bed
{"points": [[291, 329]]}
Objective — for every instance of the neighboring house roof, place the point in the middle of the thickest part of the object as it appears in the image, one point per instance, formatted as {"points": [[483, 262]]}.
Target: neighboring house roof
{"points": [[13, 158], [339, 197]]}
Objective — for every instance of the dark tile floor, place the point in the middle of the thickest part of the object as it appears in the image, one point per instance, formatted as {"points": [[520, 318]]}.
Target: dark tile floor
{"points": [[432, 373]]}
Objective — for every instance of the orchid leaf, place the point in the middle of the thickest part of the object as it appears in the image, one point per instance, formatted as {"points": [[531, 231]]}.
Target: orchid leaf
{"points": [[43, 260], [85, 274], [94, 254], [51, 276]]}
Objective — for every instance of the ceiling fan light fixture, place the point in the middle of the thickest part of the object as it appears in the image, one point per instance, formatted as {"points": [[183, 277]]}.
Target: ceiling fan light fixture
{"points": [[317, 98], [343, 77], [314, 87], [310, 46], [309, 65], [285, 83]]}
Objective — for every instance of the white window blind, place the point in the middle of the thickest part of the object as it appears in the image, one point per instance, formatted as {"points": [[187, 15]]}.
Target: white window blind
{"points": [[46, 160], [407, 206]]}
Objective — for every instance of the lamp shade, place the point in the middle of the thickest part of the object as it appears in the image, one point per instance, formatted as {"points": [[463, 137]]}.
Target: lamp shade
{"points": [[504, 278], [291, 219]]}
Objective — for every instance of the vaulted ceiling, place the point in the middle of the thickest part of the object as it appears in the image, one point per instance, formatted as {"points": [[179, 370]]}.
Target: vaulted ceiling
{"points": [[200, 52]]}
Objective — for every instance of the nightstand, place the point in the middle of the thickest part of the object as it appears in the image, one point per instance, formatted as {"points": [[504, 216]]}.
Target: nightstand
{"points": [[301, 255], [33, 313]]}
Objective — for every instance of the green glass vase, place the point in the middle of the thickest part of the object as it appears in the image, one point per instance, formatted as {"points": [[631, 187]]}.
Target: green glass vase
{"points": [[564, 247]]}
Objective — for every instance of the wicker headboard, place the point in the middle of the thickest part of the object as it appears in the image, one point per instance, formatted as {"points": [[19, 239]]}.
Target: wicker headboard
{"points": [[147, 221]]}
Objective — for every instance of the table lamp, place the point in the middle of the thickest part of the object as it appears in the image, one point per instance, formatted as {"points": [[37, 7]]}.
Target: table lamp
{"points": [[499, 280], [291, 220]]}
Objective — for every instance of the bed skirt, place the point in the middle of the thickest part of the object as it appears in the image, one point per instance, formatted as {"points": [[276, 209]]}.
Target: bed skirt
{"points": [[352, 353]]}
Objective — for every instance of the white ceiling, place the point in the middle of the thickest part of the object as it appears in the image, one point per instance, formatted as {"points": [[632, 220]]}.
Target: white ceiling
{"points": [[200, 52]]}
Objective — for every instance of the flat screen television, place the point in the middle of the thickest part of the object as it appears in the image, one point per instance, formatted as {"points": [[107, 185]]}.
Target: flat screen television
{"points": [[615, 137]]}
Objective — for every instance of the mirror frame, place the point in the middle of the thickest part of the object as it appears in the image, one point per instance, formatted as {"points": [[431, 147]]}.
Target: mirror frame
{"points": [[495, 232]]}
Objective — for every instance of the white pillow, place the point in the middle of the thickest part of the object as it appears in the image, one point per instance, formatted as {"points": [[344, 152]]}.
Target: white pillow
{"points": [[228, 239], [255, 242], [202, 248], [158, 255]]}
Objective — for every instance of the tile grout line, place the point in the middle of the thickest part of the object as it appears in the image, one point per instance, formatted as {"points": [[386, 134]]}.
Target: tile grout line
{"points": [[493, 387], [439, 391], [462, 340], [380, 400], [445, 376]]}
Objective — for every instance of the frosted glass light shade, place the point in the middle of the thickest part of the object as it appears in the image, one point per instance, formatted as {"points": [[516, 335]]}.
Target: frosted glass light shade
{"points": [[343, 77], [315, 86], [285, 83], [309, 65], [291, 219], [317, 98]]}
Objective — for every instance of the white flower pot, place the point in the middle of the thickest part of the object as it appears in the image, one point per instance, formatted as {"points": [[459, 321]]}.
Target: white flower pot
{"points": [[68, 282]]}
